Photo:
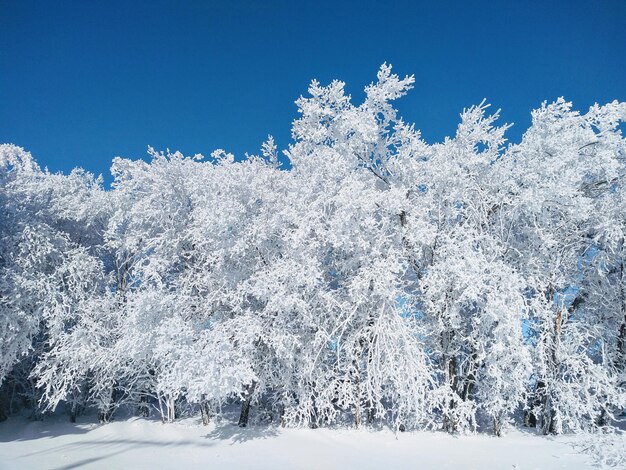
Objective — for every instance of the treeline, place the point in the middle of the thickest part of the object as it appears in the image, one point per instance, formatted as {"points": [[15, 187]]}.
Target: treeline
{"points": [[374, 280]]}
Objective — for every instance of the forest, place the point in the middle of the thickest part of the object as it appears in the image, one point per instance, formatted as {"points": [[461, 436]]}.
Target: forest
{"points": [[361, 277]]}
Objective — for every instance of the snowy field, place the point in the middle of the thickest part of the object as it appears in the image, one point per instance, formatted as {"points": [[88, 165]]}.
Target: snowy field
{"points": [[143, 444]]}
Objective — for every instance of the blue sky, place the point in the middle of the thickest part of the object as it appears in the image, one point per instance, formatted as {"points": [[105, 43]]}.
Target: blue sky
{"points": [[83, 82]]}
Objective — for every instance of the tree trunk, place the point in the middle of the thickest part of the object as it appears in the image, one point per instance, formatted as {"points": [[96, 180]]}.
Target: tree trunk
{"points": [[541, 400], [282, 415], [450, 424], [313, 417], [530, 417], [548, 419], [106, 410], [205, 411], [371, 413], [449, 367], [171, 410], [143, 410], [497, 426], [245, 405], [356, 380], [73, 412], [548, 415], [3, 406], [470, 379], [245, 413], [620, 356]]}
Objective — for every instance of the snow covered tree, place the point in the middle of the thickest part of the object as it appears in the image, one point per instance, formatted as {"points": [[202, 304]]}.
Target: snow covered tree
{"points": [[378, 280], [562, 174]]}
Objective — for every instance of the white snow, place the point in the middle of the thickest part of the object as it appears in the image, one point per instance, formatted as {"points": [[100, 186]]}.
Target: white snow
{"points": [[142, 444]]}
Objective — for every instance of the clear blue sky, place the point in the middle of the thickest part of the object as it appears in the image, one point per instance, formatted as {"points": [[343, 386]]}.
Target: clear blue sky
{"points": [[82, 82]]}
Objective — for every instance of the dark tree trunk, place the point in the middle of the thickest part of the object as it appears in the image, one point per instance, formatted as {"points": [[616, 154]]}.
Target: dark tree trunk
{"points": [[282, 415], [449, 367], [205, 410], [530, 417], [602, 419], [620, 356], [356, 379], [143, 410], [470, 380], [314, 417], [530, 420], [245, 413], [73, 412], [548, 414], [621, 345], [497, 426], [371, 413], [3, 406], [104, 417], [313, 421], [245, 405], [540, 401], [449, 424]]}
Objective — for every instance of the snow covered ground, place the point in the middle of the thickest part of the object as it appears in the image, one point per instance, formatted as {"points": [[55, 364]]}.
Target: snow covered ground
{"points": [[143, 444]]}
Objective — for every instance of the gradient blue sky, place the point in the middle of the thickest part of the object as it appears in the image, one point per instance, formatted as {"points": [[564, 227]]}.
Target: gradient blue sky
{"points": [[82, 82]]}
